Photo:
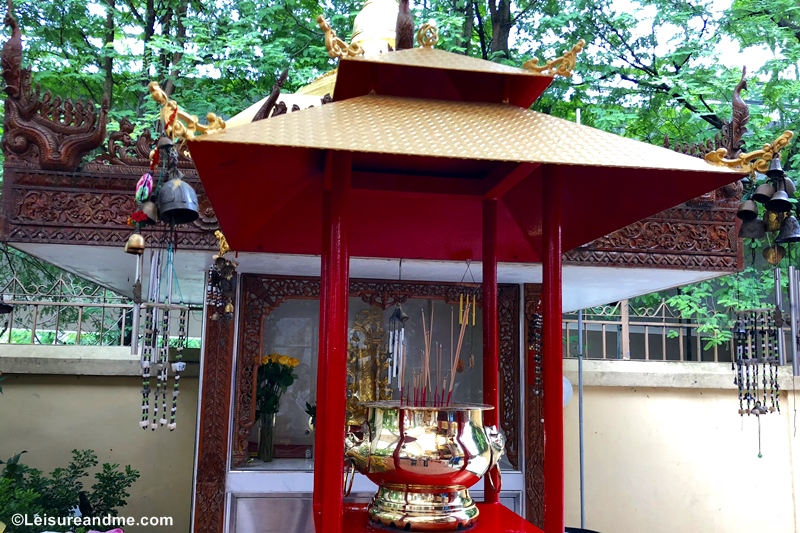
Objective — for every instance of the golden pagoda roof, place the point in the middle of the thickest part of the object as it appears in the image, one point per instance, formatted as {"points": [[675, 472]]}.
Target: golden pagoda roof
{"points": [[481, 131]]}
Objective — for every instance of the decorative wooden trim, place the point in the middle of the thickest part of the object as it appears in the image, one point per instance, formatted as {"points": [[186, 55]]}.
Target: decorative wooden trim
{"points": [[263, 294], [534, 429], [510, 382], [214, 420]]}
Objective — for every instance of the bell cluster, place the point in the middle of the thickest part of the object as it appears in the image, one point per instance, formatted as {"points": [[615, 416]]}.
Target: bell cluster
{"points": [[168, 199], [775, 195], [221, 288]]}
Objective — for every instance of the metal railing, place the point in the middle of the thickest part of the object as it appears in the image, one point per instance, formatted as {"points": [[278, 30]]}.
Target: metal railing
{"points": [[623, 331], [68, 313]]}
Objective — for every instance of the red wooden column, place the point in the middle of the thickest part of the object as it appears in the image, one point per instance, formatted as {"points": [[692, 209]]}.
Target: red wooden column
{"points": [[319, 444], [332, 365], [491, 333], [552, 358]]}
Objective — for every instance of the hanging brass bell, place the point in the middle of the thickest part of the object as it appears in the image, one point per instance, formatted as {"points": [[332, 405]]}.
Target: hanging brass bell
{"points": [[748, 210], [773, 220], [149, 208], [789, 186], [164, 142], [753, 229], [177, 202], [790, 230], [135, 244], [773, 254], [775, 168], [779, 202], [763, 193]]}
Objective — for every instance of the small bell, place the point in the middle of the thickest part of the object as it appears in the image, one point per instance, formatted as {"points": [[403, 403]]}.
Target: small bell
{"points": [[790, 230], [135, 244], [753, 229], [773, 254], [789, 186], [748, 210], [399, 314], [775, 168], [763, 193], [229, 308], [773, 220], [177, 202], [149, 208], [779, 202], [164, 142]]}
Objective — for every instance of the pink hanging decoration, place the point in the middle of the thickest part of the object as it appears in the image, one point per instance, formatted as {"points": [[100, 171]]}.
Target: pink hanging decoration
{"points": [[144, 188]]}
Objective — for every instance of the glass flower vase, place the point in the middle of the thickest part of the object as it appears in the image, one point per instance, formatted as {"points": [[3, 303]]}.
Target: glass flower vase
{"points": [[266, 434]]}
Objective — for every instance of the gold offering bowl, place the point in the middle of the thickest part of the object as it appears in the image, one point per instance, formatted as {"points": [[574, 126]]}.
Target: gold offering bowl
{"points": [[424, 459]]}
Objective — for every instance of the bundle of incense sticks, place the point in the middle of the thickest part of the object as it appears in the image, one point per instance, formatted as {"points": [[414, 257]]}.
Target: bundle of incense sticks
{"points": [[424, 388]]}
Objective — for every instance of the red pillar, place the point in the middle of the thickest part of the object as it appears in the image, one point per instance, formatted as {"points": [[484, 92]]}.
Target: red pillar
{"points": [[332, 365], [491, 334], [552, 358], [322, 347]]}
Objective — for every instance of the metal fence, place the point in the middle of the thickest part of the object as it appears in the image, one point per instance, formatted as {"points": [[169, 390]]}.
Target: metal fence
{"points": [[68, 313], [623, 331]]}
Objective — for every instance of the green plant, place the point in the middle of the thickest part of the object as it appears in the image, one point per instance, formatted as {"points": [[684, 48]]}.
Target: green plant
{"points": [[26, 490]]}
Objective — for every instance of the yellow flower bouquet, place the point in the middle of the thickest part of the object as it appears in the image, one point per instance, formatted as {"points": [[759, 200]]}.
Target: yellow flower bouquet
{"points": [[275, 375]]}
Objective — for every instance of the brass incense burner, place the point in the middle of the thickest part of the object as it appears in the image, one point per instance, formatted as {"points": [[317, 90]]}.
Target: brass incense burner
{"points": [[424, 459]]}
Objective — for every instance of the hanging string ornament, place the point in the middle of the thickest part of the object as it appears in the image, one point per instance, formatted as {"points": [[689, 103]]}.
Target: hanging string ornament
{"points": [[755, 338], [177, 367]]}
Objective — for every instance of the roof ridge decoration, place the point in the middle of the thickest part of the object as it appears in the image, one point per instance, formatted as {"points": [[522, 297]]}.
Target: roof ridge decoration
{"points": [[335, 45], [42, 130], [560, 66], [428, 34], [755, 161], [178, 124]]}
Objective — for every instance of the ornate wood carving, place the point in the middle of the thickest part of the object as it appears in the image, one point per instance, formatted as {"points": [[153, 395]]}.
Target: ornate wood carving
{"points": [[534, 429], [212, 451], [263, 294], [43, 131], [85, 208], [686, 237], [510, 382]]}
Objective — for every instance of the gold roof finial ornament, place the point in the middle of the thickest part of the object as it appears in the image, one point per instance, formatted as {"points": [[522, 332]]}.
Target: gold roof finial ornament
{"points": [[179, 124], [337, 47], [755, 161], [428, 34], [561, 66], [374, 26]]}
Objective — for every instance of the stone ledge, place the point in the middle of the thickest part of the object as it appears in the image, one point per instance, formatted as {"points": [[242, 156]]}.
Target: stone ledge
{"points": [[74, 361], [661, 374]]}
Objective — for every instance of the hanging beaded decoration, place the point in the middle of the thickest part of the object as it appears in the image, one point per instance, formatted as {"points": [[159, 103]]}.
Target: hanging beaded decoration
{"points": [[755, 336], [147, 359], [177, 367]]}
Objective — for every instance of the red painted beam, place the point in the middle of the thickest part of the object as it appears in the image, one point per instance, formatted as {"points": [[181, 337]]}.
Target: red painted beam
{"points": [[505, 176], [551, 361], [332, 365], [491, 333]]}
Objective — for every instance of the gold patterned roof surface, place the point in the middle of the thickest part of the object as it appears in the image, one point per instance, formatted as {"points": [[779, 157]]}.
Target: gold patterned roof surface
{"points": [[439, 59], [493, 132]]}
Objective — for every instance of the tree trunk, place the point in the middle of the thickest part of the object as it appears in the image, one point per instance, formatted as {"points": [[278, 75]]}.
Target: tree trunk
{"points": [[469, 24], [501, 25]]}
